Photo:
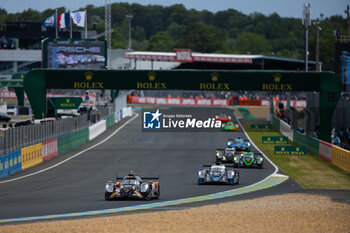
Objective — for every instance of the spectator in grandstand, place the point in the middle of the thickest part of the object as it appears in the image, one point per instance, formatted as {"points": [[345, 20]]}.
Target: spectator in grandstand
{"points": [[87, 98], [347, 135], [341, 134], [317, 131], [336, 141], [344, 146]]}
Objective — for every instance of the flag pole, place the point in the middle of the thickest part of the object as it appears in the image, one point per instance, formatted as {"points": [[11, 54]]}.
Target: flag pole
{"points": [[85, 24], [70, 25], [56, 26]]}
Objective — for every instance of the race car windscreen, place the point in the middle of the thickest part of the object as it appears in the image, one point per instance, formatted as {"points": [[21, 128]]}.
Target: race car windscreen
{"points": [[217, 169], [130, 181]]}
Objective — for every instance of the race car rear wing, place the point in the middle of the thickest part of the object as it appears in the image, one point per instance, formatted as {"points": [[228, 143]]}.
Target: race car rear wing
{"points": [[232, 139], [209, 165], [142, 178]]}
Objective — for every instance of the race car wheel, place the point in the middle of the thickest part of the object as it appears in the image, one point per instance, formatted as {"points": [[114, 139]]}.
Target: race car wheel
{"points": [[107, 195], [158, 191], [237, 179], [260, 166], [148, 195]]}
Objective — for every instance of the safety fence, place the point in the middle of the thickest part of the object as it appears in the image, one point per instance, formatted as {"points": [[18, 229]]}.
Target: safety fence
{"points": [[67, 134], [328, 152]]}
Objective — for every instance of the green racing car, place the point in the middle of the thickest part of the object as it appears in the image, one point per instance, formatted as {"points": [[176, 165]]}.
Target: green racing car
{"points": [[248, 159]]}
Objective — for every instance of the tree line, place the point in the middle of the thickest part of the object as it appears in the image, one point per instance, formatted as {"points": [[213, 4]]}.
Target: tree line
{"points": [[159, 28]]}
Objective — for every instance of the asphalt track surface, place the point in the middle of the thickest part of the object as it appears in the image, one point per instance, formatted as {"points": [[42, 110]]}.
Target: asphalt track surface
{"points": [[78, 185]]}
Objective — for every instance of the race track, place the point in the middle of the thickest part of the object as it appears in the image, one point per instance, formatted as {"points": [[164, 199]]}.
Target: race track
{"points": [[78, 185]]}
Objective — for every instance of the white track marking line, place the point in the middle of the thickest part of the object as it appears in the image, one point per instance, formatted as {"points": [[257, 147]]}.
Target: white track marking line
{"points": [[246, 134], [77, 154]]}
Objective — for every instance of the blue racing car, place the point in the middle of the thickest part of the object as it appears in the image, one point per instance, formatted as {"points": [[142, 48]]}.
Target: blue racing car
{"points": [[218, 174], [239, 144]]}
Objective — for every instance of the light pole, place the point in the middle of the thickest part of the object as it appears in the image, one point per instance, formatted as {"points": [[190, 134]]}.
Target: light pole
{"points": [[306, 23], [129, 17], [318, 28]]}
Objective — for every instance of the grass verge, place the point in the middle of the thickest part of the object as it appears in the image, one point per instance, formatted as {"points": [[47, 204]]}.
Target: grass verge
{"points": [[308, 170]]}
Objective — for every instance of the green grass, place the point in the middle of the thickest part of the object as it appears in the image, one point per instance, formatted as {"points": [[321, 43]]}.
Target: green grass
{"points": [[308, 170], [245, 113]]}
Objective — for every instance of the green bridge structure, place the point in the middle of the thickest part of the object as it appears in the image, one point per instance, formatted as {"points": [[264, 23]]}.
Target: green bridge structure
{"points": [[326, 83]]}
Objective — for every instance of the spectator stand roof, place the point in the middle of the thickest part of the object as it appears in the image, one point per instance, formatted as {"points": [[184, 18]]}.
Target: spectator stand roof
{"points": [[194, 60]]}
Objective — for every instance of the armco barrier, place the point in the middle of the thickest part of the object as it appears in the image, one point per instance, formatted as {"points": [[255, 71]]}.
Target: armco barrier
{"points": [[310, 143], [72, 140], [50, 149], [10, 163], [31, 155], [341, 158], [325, 150], [97, 129]]}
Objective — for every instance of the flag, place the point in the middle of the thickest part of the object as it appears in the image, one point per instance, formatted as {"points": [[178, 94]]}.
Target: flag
{"points": [[50, 21], [79, 18], [63, 20]]}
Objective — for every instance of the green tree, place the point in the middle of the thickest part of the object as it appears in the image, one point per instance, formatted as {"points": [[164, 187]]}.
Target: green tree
{"points": [[202, 38], [248, 42], [160, 42]]}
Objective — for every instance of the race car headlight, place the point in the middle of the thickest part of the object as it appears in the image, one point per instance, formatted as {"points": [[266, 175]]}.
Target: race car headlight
{"points": [[144, 187], [201, 174], [230, 174], [109, 188], [248, 144], [217, 154], [236, 158]]}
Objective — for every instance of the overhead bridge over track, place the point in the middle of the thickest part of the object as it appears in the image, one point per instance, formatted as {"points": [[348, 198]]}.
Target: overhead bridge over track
{"points": [[328, 84]]}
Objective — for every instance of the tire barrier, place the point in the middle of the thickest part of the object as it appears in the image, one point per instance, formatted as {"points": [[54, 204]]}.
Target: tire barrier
{"points": [[10, 163]]}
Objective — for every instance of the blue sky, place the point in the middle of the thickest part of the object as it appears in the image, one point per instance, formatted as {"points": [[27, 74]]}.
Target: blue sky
{"points": [[285, 8]]}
